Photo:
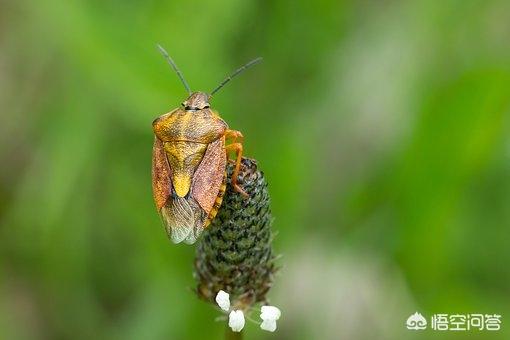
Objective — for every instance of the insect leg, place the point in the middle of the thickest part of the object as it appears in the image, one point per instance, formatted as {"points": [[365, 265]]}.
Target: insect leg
{"points": [[238, 149], [235, 137]]}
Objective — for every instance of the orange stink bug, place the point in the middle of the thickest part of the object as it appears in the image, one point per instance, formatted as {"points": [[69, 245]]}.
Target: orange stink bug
{"points": [[189, 160]]}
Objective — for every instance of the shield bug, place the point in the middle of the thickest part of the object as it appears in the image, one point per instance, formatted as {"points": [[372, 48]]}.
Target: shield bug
{"points": [[189, 159]]}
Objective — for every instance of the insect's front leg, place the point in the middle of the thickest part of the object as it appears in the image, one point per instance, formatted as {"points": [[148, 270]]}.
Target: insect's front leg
{"points": [[236, 146], [234, 136]]}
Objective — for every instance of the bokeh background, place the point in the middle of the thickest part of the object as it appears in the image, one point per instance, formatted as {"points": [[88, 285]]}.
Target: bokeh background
{"points": [[382, 126]]}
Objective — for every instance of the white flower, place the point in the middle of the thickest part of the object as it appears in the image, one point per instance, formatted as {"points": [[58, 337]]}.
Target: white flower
{"points": [[223, 300], [269, 315], [268, 325], [236, 320]]}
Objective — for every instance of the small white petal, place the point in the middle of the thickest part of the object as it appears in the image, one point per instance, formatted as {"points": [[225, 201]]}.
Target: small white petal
{"points": [[223, 300], [268, 325], [236, 320], [270, 313]]}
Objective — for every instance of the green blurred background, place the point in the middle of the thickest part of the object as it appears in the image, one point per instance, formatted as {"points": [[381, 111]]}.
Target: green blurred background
{"points": [[382, 126]]}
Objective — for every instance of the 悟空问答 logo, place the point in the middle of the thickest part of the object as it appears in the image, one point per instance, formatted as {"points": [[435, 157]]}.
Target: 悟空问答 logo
{"points": [[416, 322]]}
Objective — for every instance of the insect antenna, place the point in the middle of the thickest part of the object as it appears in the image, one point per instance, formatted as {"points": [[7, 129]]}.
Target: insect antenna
{"points": [[176, 69], [235, 73]]}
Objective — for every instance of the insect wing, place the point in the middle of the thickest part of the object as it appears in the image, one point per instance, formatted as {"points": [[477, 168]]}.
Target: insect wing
{"points": [[161, 179], [183, 218], [209, 175]]}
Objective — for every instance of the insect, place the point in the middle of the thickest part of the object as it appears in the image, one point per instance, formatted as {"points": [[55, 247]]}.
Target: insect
{"points": [[189, 160]]}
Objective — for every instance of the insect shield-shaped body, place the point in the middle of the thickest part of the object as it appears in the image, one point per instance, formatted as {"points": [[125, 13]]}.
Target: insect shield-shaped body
{"points": [[189, 162]]}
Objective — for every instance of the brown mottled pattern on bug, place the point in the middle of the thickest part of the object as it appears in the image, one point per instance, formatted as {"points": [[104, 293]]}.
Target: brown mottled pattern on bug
{"points": [[209, 175], [161, 183]]}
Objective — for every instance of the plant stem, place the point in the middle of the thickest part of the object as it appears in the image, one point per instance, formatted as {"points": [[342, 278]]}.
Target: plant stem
{"points": [[229, 335]]}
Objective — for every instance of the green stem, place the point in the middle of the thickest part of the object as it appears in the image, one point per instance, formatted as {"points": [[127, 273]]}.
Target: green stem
{"points": [[229, 335]]}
